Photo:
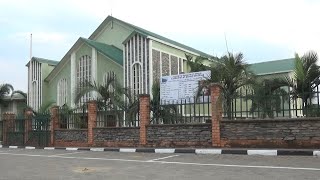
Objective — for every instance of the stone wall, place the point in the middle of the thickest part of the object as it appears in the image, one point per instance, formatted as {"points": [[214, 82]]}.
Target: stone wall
{"points": [[71, 137], [179, 135], [116, 136], [283, 133]]}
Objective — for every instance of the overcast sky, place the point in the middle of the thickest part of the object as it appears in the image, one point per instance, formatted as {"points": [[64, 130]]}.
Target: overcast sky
{"points": [[261, 29]]}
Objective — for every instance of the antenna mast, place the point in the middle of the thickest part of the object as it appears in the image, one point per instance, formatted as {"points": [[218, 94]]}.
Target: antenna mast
{"points": [[225, 38]]}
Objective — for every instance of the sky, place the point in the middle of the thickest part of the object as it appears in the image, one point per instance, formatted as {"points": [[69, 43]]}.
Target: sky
{"points": [[262, 30]]}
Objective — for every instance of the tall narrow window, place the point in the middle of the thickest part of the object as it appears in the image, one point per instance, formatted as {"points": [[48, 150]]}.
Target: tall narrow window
{"points": [[84, 75], [62, 92], [136, 79]]}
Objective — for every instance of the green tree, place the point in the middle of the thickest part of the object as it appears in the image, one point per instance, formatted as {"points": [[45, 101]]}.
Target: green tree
{"points": [[268, 96], [231, 71], [305, 78], [5, 90]]}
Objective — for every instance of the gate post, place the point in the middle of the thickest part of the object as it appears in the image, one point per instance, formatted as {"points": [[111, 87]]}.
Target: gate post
{"points": [[144, 117], [27, 123], [8, 119], [216, 113], [54, 124], [92, 119]]}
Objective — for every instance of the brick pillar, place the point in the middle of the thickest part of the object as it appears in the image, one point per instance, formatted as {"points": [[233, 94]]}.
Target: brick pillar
{"points": [[27, 123], [216, 113], [8, 123], [144, 117], [92, 120], [54, 124]]}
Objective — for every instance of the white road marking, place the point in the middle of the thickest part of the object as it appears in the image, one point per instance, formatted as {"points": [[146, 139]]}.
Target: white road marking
{"points": [[262, 152], [96, 149], [127, 150], [208, 151], [316, 153], [30, 147], [71, 149], [166, 162], [163, 158], [49, 148], [66, 153], [0, 146], [164, 150]]}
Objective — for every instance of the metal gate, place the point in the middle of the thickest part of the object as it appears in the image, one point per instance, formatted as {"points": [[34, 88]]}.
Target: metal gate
{"points": [[33, 131], [39, 135]]}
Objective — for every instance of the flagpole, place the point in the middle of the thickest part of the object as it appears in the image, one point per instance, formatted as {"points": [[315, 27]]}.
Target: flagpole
{"points": [[30, 46]]}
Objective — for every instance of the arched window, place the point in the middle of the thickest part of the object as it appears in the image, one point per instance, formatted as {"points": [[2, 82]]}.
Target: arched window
{"points": [[109, 79], [62, 92], [84, 75], [136, 78]]}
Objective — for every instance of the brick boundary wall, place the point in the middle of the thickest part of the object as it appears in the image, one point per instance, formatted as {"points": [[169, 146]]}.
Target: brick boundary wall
{"points": [[71, 137], [179, 135], [271, 133], [116, 137]]}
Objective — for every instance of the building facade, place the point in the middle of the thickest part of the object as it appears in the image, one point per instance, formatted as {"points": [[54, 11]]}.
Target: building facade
{"points": [[136, 57]]}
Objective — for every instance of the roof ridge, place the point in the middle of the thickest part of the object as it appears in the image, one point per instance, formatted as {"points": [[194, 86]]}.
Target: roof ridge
{"points": [[155, 35], [272, 61]]}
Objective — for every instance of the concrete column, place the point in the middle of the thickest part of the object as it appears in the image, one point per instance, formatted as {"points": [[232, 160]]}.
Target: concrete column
{"points": [[92, 120], [144, 117], [73, 78], [216, 113]]}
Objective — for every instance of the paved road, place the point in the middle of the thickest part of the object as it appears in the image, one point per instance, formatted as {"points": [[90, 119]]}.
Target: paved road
{"points": [[61, 164]]}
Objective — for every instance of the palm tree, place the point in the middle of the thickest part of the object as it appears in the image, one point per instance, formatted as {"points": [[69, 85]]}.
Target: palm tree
{"points": [[111, 96], [305, 77], [5, 90], [231, 72], [268, 96]]}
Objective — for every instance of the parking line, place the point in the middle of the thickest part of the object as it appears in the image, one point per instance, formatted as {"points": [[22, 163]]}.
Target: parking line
{"points": [[166, 162], [163, 158], [66, 153]]}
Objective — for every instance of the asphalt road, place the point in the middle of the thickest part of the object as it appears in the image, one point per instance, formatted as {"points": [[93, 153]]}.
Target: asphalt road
{"points": [[62, 164]]}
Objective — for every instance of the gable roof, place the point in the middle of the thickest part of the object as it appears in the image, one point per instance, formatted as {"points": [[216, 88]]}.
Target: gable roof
{"points": [[147, 33], [43, 60], [273, 67], [110, 51]]}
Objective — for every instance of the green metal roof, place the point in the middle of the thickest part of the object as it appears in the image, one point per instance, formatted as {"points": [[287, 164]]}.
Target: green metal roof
{"points": [[148, 33], [272, 67], [43, 60], [110, 51]]}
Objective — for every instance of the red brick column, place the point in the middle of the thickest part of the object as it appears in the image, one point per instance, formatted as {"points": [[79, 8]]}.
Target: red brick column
{"points": [[27, 123], [8, 123], [216, 113], [92, 119], [144, 117], [54, 122]]}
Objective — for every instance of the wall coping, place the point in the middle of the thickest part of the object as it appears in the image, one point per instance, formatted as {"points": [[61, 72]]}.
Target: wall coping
{"points": [[164, 125], [71, 129], [116, 128], [270, 120]]}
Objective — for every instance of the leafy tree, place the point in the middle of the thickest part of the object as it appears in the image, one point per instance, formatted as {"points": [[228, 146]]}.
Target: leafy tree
{"points": [[5, 90], [305, 78], [111, 96], [231, 72], [268, 97]]}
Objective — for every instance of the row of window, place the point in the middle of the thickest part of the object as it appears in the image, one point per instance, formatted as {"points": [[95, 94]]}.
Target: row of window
{"points": [[83, 77]]}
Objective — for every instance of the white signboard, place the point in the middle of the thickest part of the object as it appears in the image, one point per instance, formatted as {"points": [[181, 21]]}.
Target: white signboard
{"points": [[182, 87]]}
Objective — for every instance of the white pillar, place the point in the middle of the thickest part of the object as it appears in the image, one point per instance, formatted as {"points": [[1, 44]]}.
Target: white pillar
{"points": [[94, 70], [73, 78]]}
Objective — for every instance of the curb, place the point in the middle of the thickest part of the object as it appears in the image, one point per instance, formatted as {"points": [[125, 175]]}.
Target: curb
{"points": [[261, 152]]}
